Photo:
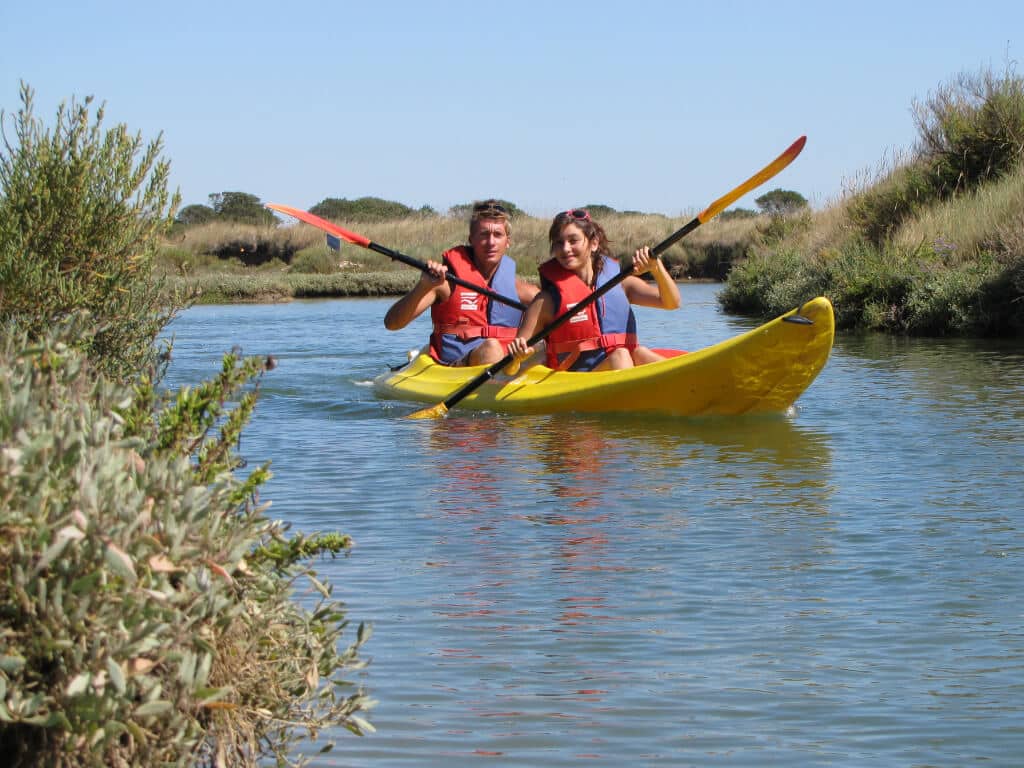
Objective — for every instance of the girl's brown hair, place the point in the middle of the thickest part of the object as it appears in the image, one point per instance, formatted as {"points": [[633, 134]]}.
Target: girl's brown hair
{"points": [[591, 230]]}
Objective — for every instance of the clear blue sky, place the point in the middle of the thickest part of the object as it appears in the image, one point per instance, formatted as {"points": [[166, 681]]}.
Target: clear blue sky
{"points": [[654, 106]]}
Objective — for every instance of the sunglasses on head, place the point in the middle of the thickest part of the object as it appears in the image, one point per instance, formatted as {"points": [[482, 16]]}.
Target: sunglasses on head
{"points": [[577, 213], [490, 208]]}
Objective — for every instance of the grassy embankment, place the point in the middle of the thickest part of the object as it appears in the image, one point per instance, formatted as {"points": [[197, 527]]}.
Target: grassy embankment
{"points": [[933, 246]]}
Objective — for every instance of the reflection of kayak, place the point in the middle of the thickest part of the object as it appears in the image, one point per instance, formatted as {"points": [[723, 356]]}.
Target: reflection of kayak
{"points": [[760, 371]]}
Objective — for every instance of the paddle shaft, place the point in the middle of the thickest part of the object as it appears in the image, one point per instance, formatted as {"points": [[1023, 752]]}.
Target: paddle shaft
{"points": [[364, 242], [708, 213]]}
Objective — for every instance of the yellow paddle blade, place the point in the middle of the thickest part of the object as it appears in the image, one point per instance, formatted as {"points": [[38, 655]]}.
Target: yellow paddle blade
{"points": [[756, 180], [438, 411]]}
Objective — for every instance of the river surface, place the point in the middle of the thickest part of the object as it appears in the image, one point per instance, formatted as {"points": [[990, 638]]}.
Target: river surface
{"points": [[840, 586]]}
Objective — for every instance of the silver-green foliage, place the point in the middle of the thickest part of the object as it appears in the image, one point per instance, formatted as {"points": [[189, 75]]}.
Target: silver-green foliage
{"points": [[147, 613], [81, 209]]}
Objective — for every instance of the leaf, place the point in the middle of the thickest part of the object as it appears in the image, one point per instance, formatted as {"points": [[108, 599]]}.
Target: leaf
{"points": [[98, 735], [208, 695], [218, 705], [219, 570], [363, 724], [140, 666], [187, 668], [162, 564], [319, 585], [116, 675], [12, 665], [78, 685], [52, 553], [120, 562], [153, 708]]}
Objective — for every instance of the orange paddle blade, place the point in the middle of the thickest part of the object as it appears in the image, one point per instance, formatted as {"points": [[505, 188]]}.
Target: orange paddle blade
{"points": [[316, 221]]}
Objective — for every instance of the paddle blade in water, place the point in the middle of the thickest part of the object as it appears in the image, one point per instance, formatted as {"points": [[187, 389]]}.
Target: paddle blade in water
{"points": [[438, 411]]}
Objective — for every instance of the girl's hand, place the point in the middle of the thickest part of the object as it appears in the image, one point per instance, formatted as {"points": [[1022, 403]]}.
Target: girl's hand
{"points": [[518, 349], [642, 261]]}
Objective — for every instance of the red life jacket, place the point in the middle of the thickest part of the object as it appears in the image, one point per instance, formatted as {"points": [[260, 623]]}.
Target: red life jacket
{"points": [[470, 315], [607, 323]]}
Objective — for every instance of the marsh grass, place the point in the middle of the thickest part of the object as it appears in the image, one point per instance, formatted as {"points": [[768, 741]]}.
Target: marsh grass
{"points": [[963, 227], [205, 260]]}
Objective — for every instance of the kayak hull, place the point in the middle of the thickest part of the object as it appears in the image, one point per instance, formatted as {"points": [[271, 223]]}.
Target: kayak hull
{"points": [[761, 371]]}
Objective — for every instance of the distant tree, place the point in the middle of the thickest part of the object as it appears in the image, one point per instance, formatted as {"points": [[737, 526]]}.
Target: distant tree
{"points": [[598, 210], [361, 209], [241, 207], [738, 213], [781, 202], [193, 215], [464, 210], [426, 210]]}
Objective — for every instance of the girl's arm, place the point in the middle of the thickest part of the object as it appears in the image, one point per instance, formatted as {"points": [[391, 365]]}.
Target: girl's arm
{"points": [[664, 294]]}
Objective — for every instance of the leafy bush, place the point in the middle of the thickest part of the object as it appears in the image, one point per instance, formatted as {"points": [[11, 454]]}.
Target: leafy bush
{"points": [[81, 210], [318, 260], [465, 210], [972, 129], [362, 209], [781, 202], [146, 600], [970, 132], [737, 213], [878, 212], [241, 207], [194, 215], [599, 210]]}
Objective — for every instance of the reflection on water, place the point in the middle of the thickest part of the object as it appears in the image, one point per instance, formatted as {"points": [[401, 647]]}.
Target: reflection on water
{"points": [[841, 586]]}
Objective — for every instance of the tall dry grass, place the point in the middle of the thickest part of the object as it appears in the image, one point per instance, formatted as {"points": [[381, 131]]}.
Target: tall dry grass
{"points": [[963, 227], [425, 238]]}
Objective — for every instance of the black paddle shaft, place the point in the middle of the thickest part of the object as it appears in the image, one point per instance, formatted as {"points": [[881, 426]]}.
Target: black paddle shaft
{"points": [[410, 261]]}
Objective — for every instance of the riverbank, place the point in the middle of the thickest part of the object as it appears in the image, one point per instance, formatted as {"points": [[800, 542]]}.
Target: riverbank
{"points": [[267, 287]]}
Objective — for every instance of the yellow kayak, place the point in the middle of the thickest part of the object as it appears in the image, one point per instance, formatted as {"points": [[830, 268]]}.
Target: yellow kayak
{"points": [[761, 371]]}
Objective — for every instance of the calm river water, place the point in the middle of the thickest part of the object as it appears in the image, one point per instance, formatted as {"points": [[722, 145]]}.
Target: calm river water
{"points": [[840, 586]]}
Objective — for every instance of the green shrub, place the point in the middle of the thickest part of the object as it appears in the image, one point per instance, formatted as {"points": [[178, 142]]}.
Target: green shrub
{"points": [[195, 215], [781, 202], [241, 208], [465, 210], [352, 283], [879, 211], [81, 210], [146, 601], [317, 260], [970, 132], [361, 209], [972, 129]]}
